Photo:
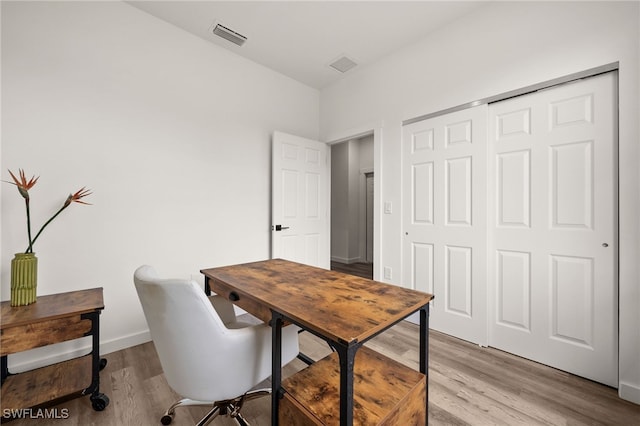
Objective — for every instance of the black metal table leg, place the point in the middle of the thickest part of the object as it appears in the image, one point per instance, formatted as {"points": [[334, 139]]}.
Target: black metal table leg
{"points": [[207, 286], [99, 401], [4, 367], [347, 355], [424, 352], [276, 365]]}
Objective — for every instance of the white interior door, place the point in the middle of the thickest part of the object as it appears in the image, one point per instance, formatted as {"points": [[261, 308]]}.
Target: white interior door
{"points": [[300, 200], [444, 219], [553, 227]]}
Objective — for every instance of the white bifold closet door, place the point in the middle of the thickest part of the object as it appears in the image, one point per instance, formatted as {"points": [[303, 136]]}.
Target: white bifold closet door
{"points": [[444, 217], [553, 227], [510, 220]]}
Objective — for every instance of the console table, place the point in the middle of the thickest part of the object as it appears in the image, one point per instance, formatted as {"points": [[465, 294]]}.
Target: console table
{"points": [[52, 319]]}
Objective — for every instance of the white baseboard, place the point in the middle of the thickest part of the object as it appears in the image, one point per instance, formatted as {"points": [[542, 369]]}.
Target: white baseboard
{"points": [[52, 354], [346, 260], [125, 342], [629, 392]]}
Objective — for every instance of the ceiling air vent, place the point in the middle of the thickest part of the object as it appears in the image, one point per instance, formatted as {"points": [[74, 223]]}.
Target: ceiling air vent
{"points": [[228, 34], [343, 64]]}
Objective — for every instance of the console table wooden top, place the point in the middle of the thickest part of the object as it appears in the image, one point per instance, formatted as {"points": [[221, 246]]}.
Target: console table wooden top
{"points": [[51, 307]]}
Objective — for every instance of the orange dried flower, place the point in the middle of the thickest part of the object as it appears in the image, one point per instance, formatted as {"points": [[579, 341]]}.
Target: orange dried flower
{"points": [[25, 185]]}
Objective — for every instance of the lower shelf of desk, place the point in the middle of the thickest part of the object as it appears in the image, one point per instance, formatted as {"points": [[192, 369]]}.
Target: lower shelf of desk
{"points": [[385, 393], [50, 383]]}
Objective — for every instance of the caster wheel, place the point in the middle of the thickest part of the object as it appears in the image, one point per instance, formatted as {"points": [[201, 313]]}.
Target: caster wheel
{"points": [[166, 420], [103, 363], [99, 402]]}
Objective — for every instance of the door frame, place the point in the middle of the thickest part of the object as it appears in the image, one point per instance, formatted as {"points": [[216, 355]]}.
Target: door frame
{"points": [[591, 72], [357, 133]]}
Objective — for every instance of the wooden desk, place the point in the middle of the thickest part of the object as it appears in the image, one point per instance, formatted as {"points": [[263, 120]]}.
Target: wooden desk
{"points": [[52, 319], [342, 309]]}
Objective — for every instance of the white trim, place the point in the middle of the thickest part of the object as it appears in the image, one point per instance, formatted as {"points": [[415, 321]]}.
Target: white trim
{"points": [[614, 66], [17, 364], [358, 132], [629, 392], [125, 342], [345, 260]]}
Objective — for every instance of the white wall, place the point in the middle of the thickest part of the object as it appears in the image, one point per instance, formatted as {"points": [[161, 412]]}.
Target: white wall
{"points": [[345, 158], [365, 165], [365, 146], [172, 134], [348, 160], [340, 202], [353, 200], [501, 47]]}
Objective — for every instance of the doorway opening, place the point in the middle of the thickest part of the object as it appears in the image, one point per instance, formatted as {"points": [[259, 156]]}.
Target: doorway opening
{"points": [[352, 206]]}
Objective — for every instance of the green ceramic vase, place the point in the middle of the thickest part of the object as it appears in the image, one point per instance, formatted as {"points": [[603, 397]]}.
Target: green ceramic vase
{"points": [[24, 279]]}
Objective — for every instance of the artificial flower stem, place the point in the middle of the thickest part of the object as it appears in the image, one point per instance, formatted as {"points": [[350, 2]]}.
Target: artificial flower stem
{"points": [[30, 249]]}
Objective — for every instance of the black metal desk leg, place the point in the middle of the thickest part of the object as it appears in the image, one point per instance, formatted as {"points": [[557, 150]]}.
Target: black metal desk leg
{"points": [[4, 368], [276, 365], [99, 401], [424, 352], [207, 286], [347, 355], [424, 340]]}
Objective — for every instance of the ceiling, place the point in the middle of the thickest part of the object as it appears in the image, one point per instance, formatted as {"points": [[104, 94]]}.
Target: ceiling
{"points": [[301, 38]]}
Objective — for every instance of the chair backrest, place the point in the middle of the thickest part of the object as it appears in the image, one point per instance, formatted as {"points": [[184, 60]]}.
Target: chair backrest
{"points": [[201, 358]]}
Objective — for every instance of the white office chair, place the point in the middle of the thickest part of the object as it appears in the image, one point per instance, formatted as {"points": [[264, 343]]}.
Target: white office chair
{"points": [[208, 356]]}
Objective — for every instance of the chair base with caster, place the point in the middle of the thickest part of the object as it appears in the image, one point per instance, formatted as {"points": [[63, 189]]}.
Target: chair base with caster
{"points": [[229, 407]]}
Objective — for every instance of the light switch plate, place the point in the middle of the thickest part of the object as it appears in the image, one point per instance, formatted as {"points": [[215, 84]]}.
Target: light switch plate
{"points": [[388, 208], [387, 272]]}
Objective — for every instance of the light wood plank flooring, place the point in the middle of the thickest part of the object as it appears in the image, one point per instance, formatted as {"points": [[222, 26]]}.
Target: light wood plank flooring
{"points": [[468, 385]]}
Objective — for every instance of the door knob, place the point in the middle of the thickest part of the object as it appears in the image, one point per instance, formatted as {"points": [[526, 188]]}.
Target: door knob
{"points": [[605, 245], [280, 227]]}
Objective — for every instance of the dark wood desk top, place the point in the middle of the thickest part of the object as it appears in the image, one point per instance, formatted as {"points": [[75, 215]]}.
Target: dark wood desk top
{"points": [[51, 307], [341, 307]]}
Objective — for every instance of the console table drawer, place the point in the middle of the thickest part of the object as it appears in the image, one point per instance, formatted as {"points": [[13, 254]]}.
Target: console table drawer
{"points": [[28, 336], [241, 300]]}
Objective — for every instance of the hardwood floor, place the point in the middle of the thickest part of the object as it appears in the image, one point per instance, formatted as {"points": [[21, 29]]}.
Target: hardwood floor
{"points": [[360, 269], [468, 385]]}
